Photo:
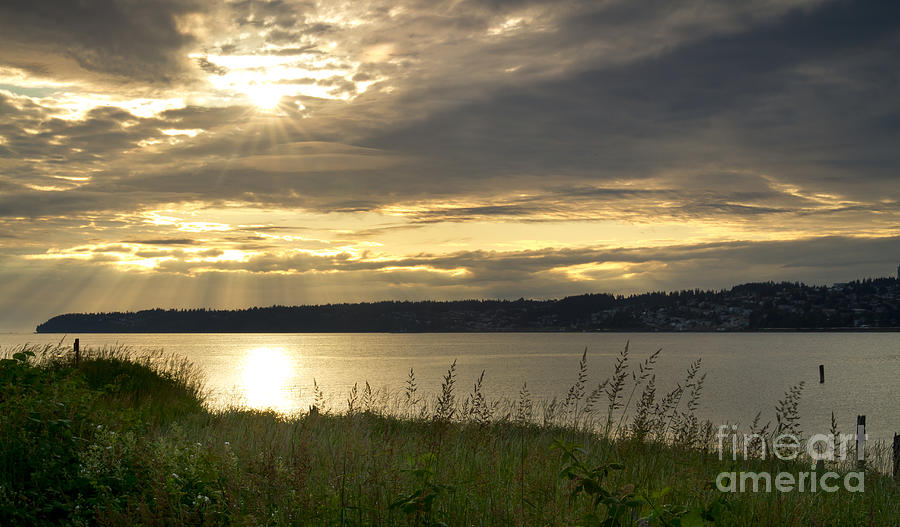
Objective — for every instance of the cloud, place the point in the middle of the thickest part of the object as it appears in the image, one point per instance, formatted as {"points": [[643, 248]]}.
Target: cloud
{"points": [[724, 99], [319, 157], [164, 241], [134, 41], [487, 267], [466, 148]]}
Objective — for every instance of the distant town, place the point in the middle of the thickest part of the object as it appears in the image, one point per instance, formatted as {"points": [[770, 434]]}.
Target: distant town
{"points": [[859, 305]]}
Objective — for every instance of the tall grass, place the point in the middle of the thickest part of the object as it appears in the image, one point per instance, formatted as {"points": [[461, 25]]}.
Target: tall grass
{"points": [[613, 450]]}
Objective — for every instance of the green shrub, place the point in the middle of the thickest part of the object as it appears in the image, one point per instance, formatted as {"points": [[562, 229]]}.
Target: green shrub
{"points": [[43, 423]]}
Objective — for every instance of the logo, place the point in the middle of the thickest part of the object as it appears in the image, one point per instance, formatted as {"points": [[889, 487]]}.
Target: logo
{"points": [[818, 449]]}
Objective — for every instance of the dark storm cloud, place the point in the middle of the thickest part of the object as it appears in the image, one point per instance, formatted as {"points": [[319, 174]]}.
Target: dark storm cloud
{"points": [[32, 203], [751, 113], [801, 96], [134, 40], [804, 95], [103, 130], [805, 253], [104, 146]]}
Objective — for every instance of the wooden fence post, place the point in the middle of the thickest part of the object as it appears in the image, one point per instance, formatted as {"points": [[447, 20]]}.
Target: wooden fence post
{"points": [[861, 442], [77, 353], [897, 457]]}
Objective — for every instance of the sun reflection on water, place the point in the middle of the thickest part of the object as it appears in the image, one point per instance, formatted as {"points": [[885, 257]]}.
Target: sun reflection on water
{"points": [[266, 373]]}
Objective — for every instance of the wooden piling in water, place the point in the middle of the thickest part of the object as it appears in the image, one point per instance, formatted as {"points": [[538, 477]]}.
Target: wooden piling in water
{"points": [[821, 374], [77, 353], [897, 457], [861, 442]]}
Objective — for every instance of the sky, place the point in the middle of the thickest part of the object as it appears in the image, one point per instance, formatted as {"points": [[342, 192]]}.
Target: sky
{"points": [[175, 154]]}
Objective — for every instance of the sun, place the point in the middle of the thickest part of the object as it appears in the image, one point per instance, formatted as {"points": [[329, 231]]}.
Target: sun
{"points": [[265, 96], [266, 373]]}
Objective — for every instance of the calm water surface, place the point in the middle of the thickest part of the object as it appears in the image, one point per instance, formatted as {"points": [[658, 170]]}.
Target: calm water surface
{"points": [[747, 373]]}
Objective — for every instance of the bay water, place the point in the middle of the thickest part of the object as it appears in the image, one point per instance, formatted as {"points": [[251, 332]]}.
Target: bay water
{"points": [[747, 373]]}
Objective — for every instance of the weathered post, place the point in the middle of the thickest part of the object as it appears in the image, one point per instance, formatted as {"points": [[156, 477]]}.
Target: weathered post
{"points": [[861, 442], [77, 353], [897, 457], [821, 374]]}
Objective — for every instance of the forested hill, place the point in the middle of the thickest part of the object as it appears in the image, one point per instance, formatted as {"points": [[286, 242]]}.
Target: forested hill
{"points": [[871, 303]]}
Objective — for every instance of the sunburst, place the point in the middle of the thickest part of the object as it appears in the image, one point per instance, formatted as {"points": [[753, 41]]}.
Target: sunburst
{"points": [[264, 96]]}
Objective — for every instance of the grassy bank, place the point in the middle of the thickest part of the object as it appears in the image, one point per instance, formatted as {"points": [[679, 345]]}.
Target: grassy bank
{"points": [[126, 440]]}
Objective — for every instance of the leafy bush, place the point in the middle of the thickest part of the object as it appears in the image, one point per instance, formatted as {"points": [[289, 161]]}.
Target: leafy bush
{"points": [[43, 423]]}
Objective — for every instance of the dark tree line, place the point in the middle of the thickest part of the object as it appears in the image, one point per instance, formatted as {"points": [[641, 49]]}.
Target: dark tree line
{"points": [[873, 303]]}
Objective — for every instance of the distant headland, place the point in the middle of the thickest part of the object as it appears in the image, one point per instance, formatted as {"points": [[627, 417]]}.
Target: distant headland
{"points": [[859, 305]]}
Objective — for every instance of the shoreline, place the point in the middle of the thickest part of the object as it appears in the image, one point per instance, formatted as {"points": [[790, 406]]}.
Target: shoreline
{"points": [[763, 330]]}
